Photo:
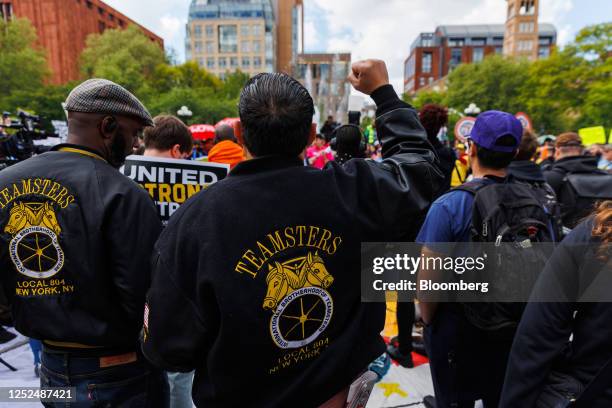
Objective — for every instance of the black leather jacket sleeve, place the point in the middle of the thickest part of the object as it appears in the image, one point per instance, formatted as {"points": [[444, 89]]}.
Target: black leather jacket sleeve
{"points": [[407, 181]]}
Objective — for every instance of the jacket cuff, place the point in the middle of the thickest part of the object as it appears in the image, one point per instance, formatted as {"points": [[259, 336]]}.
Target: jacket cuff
{"points": [[384, 94]]}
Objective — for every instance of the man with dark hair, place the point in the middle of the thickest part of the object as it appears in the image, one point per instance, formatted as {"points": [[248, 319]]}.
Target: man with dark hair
{"points": [[283, 278], [328, 128], [576, 179], [349, 143], [226, 149], [77, 237], [170, 138], [467, 363]]}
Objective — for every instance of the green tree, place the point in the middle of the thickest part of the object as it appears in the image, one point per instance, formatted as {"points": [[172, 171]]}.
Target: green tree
{"points": [[22, 66], [425, 97], [44, 101], [494, 83], [127, 57]]}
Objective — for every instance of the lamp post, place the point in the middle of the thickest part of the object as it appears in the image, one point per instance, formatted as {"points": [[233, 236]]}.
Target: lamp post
{"points": [[472, 110], [185, 113]]}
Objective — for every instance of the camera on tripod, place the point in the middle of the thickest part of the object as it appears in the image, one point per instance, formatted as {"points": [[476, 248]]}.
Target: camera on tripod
{"points": [[19, 145]]}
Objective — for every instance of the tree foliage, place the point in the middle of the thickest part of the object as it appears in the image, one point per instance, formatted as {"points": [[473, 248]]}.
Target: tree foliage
{"points": [[22, 65]]}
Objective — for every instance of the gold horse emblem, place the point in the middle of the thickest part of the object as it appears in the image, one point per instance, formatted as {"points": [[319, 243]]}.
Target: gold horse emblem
{"points": [[295, 274], [26, 215]]}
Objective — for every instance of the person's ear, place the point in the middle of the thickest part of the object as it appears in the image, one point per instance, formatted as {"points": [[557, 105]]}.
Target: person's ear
{"points": [[175, 152], [108, 127], [312, 135]]}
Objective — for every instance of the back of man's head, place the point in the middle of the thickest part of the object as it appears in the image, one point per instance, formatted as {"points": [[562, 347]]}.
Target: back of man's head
{"points": [[433, 117], [568, 144], [276, 114], [528, 146], [223, 133], [168, 132], [497, 136]]}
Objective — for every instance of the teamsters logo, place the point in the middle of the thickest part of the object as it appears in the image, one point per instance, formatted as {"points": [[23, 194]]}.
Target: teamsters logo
{"points": [[296, 292], [34, 248]]}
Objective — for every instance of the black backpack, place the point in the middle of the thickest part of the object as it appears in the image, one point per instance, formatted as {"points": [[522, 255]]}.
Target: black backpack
{"points": [[580, 192], [508, 217]]}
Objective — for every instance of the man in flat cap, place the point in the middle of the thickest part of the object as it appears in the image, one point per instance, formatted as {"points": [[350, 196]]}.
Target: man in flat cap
{"points": [[76, 238]]}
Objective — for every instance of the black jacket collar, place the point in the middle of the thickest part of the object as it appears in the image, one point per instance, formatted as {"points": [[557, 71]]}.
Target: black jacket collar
{"points": [[70, 146], [265, 163]]}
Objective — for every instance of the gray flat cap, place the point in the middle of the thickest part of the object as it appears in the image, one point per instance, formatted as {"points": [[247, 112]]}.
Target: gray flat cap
{"points": [[104, 96]]}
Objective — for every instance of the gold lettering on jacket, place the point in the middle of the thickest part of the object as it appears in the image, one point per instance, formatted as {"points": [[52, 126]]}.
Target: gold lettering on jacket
{"points": [[317, 238], [36, 186]]}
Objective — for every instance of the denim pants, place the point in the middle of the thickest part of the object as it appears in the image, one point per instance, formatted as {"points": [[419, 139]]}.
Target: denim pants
{"points": [[180, 389], [133, 384]]}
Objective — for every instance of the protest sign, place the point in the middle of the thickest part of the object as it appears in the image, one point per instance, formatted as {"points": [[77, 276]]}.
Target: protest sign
{"points": [[593, 135], [170, 182], [525, 120], [463, 128]]}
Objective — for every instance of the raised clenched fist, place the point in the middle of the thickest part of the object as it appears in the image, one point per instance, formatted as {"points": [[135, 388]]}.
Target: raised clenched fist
{"points": [[368, 75]]}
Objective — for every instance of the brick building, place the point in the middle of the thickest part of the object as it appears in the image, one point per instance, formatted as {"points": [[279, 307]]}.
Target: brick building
{"points": [[434, 55], [63, 26]]}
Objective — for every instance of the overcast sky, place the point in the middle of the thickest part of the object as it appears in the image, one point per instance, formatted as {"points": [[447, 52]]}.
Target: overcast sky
{"points": [[376, 28]]}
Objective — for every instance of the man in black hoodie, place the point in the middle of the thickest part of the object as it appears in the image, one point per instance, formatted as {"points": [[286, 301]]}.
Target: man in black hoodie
{"points": [[569, 158]]}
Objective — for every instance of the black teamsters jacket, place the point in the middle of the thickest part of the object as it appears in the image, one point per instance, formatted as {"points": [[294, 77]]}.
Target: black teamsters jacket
{"points": [[76, 238], [257, 279]]}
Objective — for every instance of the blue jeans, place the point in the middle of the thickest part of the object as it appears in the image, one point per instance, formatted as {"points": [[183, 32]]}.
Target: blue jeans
{"points": [[180, 389], [132, 384]]}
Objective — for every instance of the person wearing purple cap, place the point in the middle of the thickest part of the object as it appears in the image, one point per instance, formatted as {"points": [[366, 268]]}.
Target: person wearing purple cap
{"points": [[466, 364]]}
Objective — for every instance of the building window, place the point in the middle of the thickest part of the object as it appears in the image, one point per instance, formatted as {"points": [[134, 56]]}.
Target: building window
{"points": [[257, 62], [223, 62], [210, 30], [210, 63], [234, 62], [526, 27], [455, 59], [228, 38], [198, 46], [245, 46], [210, 47], [479, 41], [498, 40], [101, 11], [427, 41], [256, 30], [257, 46], [544, 52], [545, 41], [89, 4], [421, 81], [245, 30], [431, 80], [499, 50], [111, 17], [426, 62], [197, 31], [246, 62], [101, 26], [121, 23], [201, 62], [478, 54], [6, 11], [525, 45], [456, 42], [527, 8]]}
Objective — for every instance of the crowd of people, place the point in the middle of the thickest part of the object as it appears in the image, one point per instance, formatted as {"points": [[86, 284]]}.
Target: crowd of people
{"points": [[251, 295]]}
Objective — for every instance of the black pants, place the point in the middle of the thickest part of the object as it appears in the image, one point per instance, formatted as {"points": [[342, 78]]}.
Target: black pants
{"points": [[467, 364], [405, 320]]}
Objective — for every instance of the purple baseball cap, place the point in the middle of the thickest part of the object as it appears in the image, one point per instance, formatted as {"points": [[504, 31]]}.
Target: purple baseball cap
{"points": [[490, 126]]}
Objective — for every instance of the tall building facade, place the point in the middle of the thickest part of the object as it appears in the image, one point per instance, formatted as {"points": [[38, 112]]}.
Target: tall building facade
{"points": [[521, 37], [289, 33], [63, 26], [434, 55], [325, 77], [227, 35]]}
